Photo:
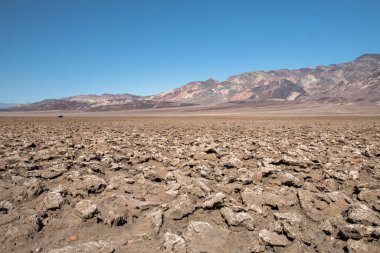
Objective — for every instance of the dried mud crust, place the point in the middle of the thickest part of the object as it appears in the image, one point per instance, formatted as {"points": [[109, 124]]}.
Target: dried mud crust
{"points": [[190, 185]]}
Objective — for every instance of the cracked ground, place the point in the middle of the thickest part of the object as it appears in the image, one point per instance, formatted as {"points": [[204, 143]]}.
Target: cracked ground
{"points": [[308, 184]]}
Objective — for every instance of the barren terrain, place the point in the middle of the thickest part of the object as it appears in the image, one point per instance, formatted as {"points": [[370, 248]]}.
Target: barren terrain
{"points": [[190, 184], [241, 109]]}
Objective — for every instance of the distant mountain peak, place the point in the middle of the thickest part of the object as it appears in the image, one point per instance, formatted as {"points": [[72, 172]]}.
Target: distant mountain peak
{"points": [[211, 80], [368, 57]]}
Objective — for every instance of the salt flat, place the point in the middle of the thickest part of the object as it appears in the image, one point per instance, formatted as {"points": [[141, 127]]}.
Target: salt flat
{"points": [[189, 184]]}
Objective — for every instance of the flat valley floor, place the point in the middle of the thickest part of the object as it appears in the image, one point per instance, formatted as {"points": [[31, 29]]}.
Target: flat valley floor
{"points": [[190, 184]]}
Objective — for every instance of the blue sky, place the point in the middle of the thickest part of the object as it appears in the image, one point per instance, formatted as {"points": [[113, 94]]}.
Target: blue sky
{"points": [[53, 49]]}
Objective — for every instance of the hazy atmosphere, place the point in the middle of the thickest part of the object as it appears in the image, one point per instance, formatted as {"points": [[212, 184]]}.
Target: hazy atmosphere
{"points": [[55, 49]]}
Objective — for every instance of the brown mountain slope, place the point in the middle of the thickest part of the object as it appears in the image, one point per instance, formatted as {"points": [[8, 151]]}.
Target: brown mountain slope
{"points": [[105, 102], [355, 81]]}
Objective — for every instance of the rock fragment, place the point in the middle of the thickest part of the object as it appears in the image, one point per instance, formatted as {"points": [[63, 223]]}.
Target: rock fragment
{"points": [[53, 200], [180, 207], [85, 209], [203, 237], [5, 206], [173, 243], [290, 217], [273, 239], [103, 246], [92, 184], [34, 187], [360, 213], [214, 200], [114, 218], [54, 171], [354, 246], [230, 161], [355, 231], [242, 219]]}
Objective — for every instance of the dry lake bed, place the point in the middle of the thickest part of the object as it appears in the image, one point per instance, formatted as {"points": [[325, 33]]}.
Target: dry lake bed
{"points": [[190, 184]]}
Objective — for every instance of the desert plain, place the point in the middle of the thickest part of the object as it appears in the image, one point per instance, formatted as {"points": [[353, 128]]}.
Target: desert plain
{"points": [[190, 184]]}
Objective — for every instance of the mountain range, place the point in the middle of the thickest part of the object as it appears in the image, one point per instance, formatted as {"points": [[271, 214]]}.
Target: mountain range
{"points": [[7, 105], [357, 81]]}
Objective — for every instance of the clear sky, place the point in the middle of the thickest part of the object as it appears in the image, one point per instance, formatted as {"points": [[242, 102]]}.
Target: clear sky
{"points": [[54, 48]]}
